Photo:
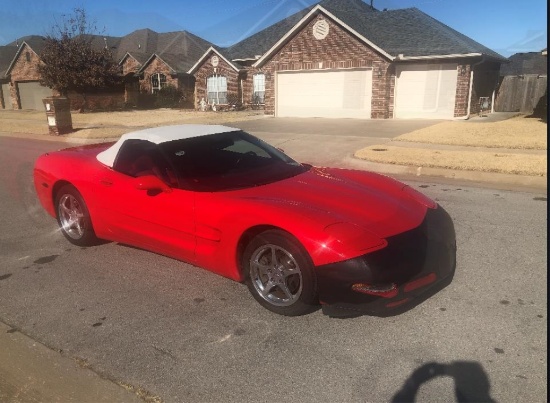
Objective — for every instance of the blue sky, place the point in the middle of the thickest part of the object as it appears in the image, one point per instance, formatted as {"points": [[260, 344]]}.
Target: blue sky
{"points": [[506, 26]]}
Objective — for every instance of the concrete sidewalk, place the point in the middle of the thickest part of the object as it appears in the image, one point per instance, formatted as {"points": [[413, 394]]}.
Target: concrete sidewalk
{"points": [[31, 372]]}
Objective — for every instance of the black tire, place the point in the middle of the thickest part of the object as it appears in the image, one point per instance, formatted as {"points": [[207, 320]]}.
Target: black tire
{"points": [[73, 217], [279, 274]]}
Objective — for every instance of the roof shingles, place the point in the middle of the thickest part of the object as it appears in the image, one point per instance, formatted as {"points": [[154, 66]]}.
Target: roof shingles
{"points": [[405, 31]]}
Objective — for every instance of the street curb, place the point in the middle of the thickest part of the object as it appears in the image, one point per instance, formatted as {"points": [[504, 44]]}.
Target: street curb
{"points": [[532, 182]]}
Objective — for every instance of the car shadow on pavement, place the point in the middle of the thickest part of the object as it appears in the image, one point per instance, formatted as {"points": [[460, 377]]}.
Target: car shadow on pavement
{"points": [[471, 382]]}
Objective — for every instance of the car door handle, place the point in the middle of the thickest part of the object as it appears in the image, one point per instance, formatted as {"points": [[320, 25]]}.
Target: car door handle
{"points": [[106, 182]]}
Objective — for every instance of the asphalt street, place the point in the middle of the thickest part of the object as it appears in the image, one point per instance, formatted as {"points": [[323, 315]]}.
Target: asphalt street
{"points": [[186, 335]]}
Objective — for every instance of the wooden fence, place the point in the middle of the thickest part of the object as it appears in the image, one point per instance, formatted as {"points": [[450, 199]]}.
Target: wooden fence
{"points": [[520, 93]]}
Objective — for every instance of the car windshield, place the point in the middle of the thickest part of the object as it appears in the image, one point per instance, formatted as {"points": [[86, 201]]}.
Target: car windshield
{"points": [[227, 161]]}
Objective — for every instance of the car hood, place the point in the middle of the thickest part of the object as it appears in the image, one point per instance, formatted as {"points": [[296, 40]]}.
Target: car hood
{"points": [[374, 202]]}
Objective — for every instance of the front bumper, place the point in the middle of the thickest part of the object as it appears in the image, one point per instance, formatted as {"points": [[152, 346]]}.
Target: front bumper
{"points": [[420, 262]]}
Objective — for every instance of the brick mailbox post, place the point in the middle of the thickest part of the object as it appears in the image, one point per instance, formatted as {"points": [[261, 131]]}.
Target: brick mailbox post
{"points": [[58, 112]]}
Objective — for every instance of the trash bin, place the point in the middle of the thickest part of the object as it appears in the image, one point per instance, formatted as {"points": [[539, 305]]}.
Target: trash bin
{"points": [[58, 113]]}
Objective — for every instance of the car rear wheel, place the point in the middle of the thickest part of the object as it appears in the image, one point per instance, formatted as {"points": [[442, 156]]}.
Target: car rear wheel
{"points": [[280, 274], [73, 217]]}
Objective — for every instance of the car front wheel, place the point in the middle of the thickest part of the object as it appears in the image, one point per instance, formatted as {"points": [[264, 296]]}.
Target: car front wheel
{"points": [[73, 217], [279, 274]]}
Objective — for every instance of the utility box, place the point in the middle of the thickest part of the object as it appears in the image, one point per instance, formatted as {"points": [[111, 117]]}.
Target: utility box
{"points": [[58, 113]]}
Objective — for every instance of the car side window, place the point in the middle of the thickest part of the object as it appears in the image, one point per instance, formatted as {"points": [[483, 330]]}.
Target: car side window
{"points": [[140, 157]]}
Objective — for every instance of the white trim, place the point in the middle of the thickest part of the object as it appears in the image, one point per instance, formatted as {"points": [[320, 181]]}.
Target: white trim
{"points": [[452, 56], [128, 54], [158, 135], [17, 55], [205, 55], [151, 58], [304, 20]]}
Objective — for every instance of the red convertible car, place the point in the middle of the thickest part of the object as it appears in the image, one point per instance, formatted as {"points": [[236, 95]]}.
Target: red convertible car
{"points": [[224, 200]]}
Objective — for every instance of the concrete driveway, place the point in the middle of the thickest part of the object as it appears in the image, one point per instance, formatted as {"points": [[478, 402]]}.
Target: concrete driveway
{"points": [[327, 141]]}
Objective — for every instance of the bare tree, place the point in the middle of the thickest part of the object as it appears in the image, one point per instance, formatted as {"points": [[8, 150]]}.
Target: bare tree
{"points": [[72, 62]]}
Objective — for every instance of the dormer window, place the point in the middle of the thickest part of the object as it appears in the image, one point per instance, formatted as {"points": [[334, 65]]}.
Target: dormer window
{"points": [[28, 56]]}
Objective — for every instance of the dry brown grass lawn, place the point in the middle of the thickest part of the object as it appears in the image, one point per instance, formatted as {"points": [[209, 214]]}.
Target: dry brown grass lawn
{"points": [[519, 133], [112, 124], [522, 164]]}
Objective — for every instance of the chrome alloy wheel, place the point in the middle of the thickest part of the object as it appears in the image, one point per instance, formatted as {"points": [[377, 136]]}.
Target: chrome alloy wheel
{"points": [[71, 216], [275, 275]]}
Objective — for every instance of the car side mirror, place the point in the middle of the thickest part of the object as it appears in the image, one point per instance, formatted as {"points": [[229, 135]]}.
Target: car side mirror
{"points": [[151, 183]]}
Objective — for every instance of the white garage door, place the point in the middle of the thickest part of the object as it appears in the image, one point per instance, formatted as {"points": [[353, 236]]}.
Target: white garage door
{"points": [[326, 94], [6, 96], [426, 91], [31, 95]]}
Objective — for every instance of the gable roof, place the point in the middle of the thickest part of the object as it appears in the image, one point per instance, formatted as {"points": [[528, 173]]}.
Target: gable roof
{"points": [[179, 49], [221, 53], [35, 42], [525, 63], [7, 53], [414, 34], [259, 43], [138, 57], [38, 46], [141, 41], [408, 32], [174, 62]]}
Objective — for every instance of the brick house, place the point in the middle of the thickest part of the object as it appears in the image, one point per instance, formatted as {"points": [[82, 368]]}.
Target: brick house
{"points": [[7, 53], [342, 58], [152, 60], [148, 61], [337, 58], [21, 87]]}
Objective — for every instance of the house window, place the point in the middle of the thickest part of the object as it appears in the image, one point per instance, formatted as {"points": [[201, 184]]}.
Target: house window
{"points": [[217, 90], [28, 56], [158, 81], [258, 96]]}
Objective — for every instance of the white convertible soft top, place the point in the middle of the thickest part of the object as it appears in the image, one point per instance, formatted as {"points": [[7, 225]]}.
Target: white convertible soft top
{"points": [[159, 135]]}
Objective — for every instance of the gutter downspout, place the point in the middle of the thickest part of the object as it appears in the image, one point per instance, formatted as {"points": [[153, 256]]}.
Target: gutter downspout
{"points": [[471, 86]]}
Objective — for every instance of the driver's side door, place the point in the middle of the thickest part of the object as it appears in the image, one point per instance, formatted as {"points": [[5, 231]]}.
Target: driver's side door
{"points": [[161, 220]]}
